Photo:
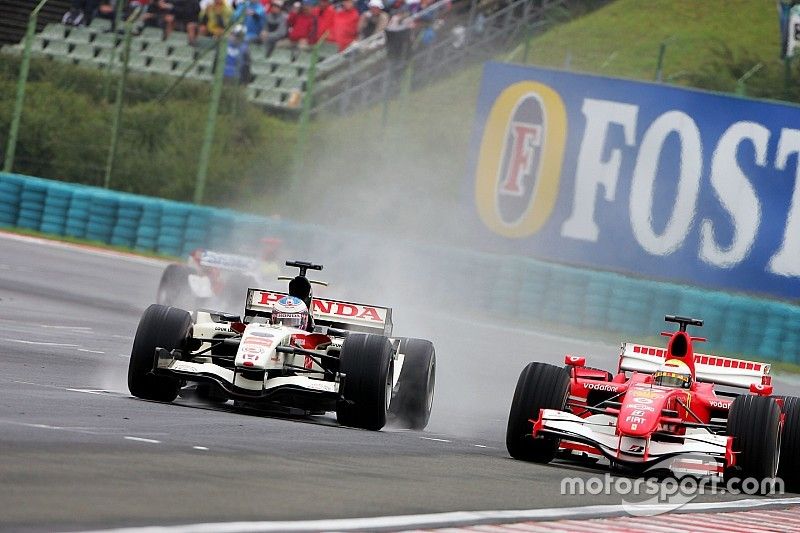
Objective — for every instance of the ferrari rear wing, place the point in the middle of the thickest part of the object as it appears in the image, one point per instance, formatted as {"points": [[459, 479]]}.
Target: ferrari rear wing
{"points": [[332, 313], [708, 368]]}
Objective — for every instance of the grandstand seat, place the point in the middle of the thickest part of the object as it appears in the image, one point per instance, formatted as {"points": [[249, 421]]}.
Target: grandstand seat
{"points": [[138, 61], [200, 73], [12, 49], [268, 97], [160, 65], [57, 49], [54, 32], [150, 33], [99, 25], [280, 56], [157, 49], [292, 83], [286, 71], [105, 40], [80, 35], [264, 81], [83, 52], [260, 66], [103, 56], [182, 52]]}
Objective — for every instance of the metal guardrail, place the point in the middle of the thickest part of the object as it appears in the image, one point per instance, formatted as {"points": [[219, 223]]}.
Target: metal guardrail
{"points": [[366, 82]]}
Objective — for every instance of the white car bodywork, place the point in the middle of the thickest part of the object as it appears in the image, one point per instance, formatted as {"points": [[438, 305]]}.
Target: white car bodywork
{"points": [[265, 350]]}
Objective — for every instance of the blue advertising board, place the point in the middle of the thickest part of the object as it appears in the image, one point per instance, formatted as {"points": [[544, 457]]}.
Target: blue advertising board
{"points": [[646, 179]]}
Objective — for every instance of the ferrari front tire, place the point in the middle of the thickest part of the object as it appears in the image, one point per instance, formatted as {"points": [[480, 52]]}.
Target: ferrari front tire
{"points": [[160, 327], [413, 401], [789, 469], [754, 424], [366, 390], [540, 386]]}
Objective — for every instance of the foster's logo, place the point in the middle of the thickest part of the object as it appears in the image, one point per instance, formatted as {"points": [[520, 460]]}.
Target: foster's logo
{"points": [[521, 154]]}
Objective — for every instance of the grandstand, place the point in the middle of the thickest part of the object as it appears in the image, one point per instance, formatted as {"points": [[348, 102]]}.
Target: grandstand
{"points": [[358, 76]]}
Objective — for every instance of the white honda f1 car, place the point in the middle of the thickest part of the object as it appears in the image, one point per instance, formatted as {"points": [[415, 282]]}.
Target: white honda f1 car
{"points": [[290, 353]]}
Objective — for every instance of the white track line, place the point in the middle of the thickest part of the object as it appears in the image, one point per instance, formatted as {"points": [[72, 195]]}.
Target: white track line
{"points": [[457, 518], [437, 440], [38, 343], [142, 439]]}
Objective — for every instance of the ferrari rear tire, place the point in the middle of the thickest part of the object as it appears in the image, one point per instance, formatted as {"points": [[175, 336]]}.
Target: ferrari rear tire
{"points": [[413, 401], [366, 390], [754, 424], [540, 386], [174, 289], [160, 327], [789, 469]]}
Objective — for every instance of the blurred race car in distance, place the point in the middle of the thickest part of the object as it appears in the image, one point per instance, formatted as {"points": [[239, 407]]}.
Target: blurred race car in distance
{"points": [[659, 408], [215, 279], [340, 356]]}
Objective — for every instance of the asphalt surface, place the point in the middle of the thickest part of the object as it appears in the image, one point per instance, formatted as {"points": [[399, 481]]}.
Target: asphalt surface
{"points": [[78, 452]]}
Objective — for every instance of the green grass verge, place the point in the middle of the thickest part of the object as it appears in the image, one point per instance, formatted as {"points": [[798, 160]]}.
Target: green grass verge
{"points": [[85, 242]]}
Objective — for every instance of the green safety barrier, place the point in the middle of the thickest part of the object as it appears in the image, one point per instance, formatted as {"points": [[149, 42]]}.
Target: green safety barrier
{"points": [[515, 289]]}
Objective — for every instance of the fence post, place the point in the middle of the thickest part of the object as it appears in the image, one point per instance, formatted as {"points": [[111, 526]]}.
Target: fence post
{"points": [[740, 83], [126, 52], [110, 67], [305, 113], [22, 81], [211, 121]]}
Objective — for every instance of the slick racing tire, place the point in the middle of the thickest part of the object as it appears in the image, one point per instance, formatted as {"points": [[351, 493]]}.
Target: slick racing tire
{"points": [[366, 362], [413, 401], [789, 469], [540, 386], [159, 327], [174, 287], [754, 424]]}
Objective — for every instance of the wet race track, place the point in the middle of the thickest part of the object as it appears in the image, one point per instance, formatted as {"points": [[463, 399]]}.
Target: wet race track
{"points": [[77, 452]]}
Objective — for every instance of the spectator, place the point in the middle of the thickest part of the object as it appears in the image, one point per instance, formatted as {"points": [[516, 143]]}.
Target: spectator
{"points": [[80, 13], [373, 21], [276, 26], [254, 19], [184, 16], [324, 13], [345, 25], [237, 59], [303, 27], [215, 18]]}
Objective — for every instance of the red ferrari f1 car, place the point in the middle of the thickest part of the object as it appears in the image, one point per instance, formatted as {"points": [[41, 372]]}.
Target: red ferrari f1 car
{"points": [[661, 405]]}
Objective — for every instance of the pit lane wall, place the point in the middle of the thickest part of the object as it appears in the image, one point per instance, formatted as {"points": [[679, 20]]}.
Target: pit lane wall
{"points": [[638, 178], [513, 289]]}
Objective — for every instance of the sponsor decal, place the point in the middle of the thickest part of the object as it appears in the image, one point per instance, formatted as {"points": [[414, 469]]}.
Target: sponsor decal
{"points": [[635, 419], [720, 404], [328, 307], [343, 309], [642, 407], [694, 186], [640, 400], [258, 333], [601, 386], [257, 341], [645, 393], [520, 158]]}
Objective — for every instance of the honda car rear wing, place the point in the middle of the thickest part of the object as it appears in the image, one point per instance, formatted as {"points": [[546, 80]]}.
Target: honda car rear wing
{"points": [[708, 368], [332, 313], [234, 263]]}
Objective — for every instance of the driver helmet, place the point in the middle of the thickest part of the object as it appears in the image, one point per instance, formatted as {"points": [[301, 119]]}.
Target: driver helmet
{"points": [[675, 374], [290, 311]]}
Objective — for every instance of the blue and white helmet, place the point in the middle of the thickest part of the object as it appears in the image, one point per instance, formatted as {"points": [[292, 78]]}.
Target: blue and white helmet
{"points": [[290, 311]]}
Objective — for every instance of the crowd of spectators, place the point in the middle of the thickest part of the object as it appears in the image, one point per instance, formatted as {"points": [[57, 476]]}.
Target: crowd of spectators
{"points": [[268, 23]]}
